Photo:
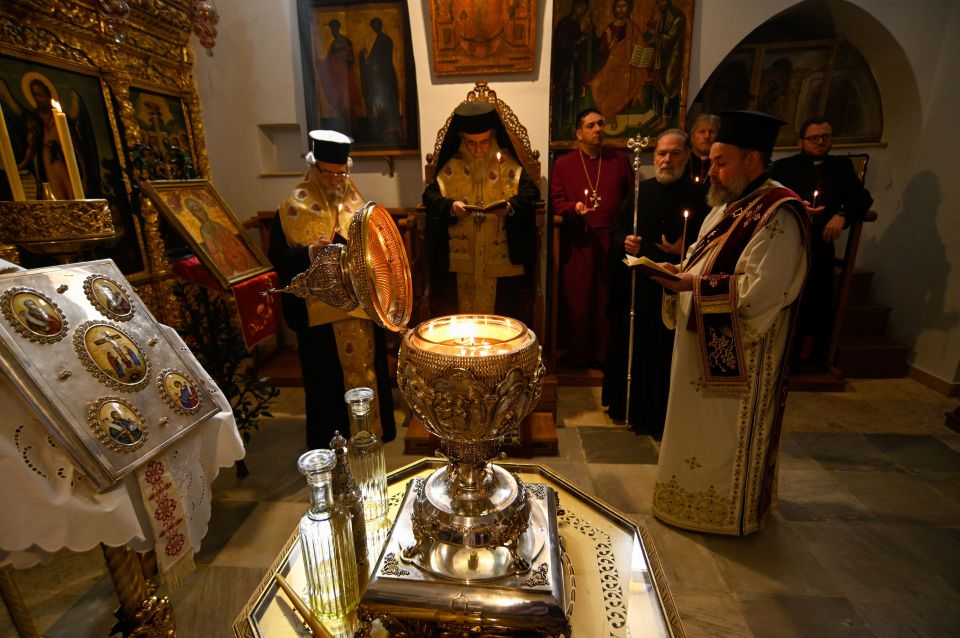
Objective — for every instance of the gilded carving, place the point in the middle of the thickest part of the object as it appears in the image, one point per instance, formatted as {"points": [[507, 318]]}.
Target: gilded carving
{"points": [[38, 220]]}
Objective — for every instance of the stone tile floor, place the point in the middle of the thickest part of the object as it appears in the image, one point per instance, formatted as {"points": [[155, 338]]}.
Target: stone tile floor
{"points": [[865, 541]]}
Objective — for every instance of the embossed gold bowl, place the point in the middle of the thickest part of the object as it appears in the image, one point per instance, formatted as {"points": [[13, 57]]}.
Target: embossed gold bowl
{"points": [[471, 379]]}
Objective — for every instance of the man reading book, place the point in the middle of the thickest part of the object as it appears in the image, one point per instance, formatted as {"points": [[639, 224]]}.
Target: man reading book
{"points": [[481, 225]]}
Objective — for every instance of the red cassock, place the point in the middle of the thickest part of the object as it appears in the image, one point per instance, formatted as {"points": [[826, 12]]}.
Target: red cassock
{"points": [[585, 248]]}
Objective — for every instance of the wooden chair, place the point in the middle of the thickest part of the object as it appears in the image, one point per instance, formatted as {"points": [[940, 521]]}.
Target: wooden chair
{"points": [[530, 159]]}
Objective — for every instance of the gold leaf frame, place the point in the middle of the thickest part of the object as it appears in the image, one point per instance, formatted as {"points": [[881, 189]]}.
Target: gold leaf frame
{"points": [[202, 190]]}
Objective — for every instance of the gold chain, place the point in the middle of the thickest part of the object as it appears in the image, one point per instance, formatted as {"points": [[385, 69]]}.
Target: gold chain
{"points": [[594, 195]]}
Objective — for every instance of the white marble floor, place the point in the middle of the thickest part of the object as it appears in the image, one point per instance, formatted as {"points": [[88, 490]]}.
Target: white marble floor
{"points": [[865, 540]]}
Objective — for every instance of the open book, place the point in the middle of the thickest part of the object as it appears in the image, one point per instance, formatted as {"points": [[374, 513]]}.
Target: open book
{"points": [[486, 208], [648, 267]]}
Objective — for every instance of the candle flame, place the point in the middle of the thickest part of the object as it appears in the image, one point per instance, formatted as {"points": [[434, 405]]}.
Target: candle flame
{"points": [[498, 156], [815, 193], [56, 105], [686, 214], [697, 179]]}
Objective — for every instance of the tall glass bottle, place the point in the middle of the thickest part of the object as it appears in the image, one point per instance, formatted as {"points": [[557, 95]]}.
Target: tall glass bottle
{"points": [[366, 455], [347, 494], [326, 541]]}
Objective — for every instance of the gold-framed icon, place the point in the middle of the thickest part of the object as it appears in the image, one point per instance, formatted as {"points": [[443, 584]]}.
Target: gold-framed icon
{"points": [[109, 297], [33, 314], [118, 424]]}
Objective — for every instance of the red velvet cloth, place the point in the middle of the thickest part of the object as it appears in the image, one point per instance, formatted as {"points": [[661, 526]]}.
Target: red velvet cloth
{"points": [[259, 314]]}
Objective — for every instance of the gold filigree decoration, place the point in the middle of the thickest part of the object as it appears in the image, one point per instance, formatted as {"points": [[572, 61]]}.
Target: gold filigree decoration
{"points": [[391, 566], [40, 323], [538, 577], [707, 510], [613, 600], [42, 221], [118, 424], [722, 352]]}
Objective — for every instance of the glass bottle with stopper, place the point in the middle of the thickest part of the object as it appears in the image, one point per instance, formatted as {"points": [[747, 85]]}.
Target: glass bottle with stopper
{"points": [[366, 454], [326, 541], [347, 494]]}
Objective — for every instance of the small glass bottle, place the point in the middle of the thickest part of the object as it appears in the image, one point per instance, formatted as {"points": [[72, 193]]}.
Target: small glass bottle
{"points": [[366, 455], [326, 541], [347, 494]]}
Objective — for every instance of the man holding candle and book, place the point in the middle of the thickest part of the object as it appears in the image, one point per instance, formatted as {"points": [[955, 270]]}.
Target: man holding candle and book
{"points": [[734, 313], [660, 235], [481, 220], [833, 197], [587, 187]]}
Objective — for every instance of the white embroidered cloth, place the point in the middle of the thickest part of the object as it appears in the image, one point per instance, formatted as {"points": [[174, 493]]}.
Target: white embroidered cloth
{"points": [[49, 505]]}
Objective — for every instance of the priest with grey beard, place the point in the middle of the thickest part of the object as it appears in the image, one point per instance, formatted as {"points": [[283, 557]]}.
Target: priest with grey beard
{"points": [[734, 311], [659, 235]]}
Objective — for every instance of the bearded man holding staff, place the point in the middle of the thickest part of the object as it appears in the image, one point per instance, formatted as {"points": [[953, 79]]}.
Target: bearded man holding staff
{"points": [[734, 312], [481, 220]]}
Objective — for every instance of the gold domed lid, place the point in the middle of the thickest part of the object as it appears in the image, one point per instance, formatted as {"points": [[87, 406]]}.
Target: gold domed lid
{"points": [[372, 271], [379, 268]]}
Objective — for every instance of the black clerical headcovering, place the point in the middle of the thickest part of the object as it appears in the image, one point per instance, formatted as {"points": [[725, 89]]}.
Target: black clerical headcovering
{"points": [[475, 117], [330, 146], [753, 130]]}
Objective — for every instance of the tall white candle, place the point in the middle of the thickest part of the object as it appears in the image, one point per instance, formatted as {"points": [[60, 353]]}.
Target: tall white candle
{"points": [[63, 132], [10, 162]]}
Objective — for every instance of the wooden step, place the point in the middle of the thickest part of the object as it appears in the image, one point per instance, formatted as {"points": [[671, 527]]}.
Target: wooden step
{"points": [[867, 319], [540, 438], [567, 375], [859, 285], [872, 357]]}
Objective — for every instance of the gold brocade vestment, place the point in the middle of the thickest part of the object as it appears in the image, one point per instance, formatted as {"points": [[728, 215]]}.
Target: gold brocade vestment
{"points": [[479, 252], [312, 212]]}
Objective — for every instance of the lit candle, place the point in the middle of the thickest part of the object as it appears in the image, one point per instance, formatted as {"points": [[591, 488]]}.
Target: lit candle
{"points": [[697, 179], [815, 194], [10, 162], [683, 237], [63, 132], [470, 335]]}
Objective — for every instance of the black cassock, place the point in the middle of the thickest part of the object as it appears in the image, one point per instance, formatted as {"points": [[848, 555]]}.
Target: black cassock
{"points": [[660, 212]]}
